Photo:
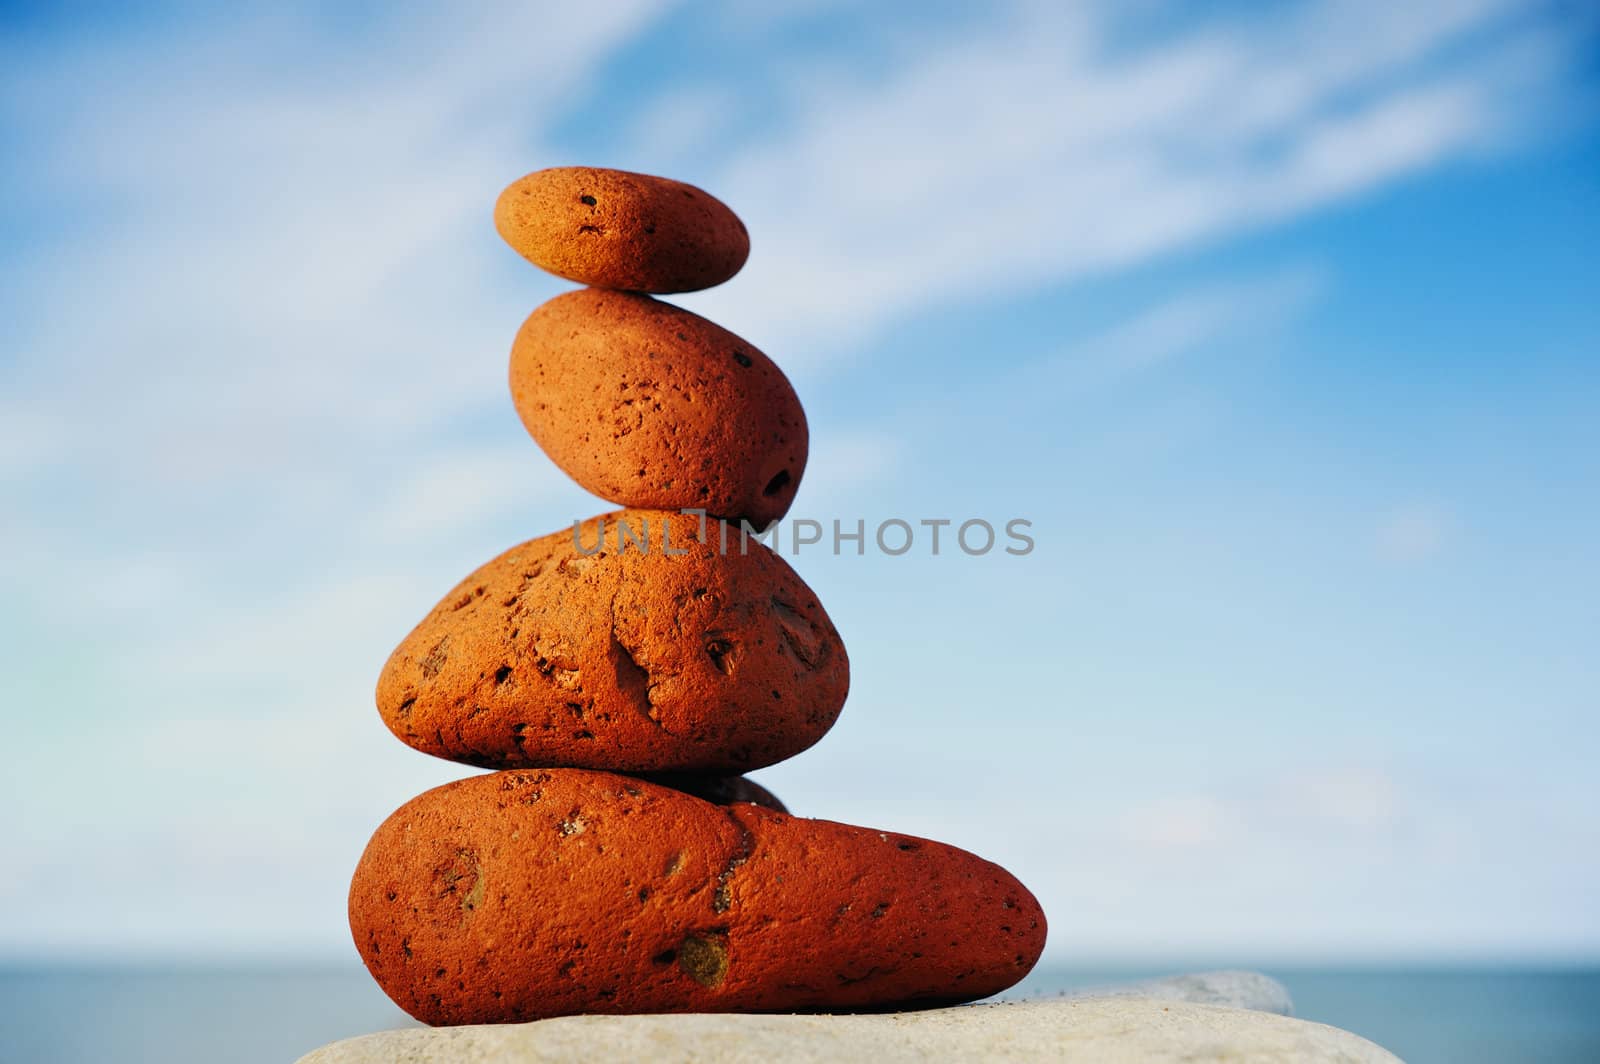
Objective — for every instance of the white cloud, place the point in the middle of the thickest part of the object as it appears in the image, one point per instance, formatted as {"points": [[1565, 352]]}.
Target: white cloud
{"points": [[1318, 804], [1030, 151], [1356, 797], [462, 488], [1197, 319], [1412, 533], [1186, 822], [683, 125], [843, 463]]}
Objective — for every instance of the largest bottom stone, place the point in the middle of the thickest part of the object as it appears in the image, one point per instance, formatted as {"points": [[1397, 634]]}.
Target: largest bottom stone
{"points": [[527, 894]]}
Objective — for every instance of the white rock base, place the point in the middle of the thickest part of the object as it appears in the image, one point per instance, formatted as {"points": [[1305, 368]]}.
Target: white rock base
{"points": [[1103, 1030]]}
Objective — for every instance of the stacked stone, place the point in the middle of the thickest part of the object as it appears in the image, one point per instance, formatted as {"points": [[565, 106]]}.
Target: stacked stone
{"points": [[621, 675]]}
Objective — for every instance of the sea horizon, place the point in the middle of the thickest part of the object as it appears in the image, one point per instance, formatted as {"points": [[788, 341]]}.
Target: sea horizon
{"points": [[69, 1011]]}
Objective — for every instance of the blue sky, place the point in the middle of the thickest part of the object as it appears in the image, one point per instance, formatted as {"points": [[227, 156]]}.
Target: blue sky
{"points": [[1278, 324]]}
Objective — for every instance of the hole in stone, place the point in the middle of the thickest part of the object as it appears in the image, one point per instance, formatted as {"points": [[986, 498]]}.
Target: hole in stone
{"points": [[718, 650], [587, 201], [777, 483]]}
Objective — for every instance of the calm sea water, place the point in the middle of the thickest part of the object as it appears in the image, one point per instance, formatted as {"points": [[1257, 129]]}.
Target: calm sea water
{"points": [[59, 1016]]}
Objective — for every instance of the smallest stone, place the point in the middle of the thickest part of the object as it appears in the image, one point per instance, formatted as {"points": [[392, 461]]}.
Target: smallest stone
{"points": [[621, 230]]}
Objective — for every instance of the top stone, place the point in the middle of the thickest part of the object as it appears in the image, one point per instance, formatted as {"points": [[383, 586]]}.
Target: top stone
{"points": [[615, 229]]}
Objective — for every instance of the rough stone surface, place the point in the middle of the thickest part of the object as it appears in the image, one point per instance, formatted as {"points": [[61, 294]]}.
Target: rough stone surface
{"points": [[646, 404], [616, 229], [626, 660], [523, 895], [1113, 1030], [1237, 989]]}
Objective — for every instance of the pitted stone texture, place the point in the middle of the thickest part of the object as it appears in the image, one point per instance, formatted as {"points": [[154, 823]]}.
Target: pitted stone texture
{"points": [[530, 894], [616, 229], [649, 405], [681, 656]]}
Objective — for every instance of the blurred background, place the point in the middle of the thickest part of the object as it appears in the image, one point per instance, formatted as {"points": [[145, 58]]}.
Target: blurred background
{"points": [[1278, 321]]}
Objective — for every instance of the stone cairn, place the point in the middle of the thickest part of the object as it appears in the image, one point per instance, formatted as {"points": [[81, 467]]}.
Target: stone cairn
{"points": [[622, 674]]}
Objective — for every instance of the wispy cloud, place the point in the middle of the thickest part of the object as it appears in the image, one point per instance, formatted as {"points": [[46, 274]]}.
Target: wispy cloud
{"points": [[1032, 150], [1412, 533], [1317, 805], [1194, 320]]}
